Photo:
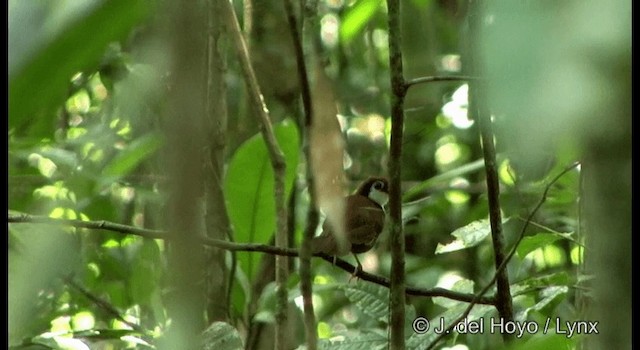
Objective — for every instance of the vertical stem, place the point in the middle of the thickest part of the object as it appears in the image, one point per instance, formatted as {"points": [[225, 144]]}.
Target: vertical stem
{"points": [[184, 154], [216, 218], [398, 87], [279, 167], [306, 286], [480, 113]]}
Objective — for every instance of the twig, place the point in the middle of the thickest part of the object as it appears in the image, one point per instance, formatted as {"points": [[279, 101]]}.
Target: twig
{"points": [[245, 247], [397, 292], [110, 309], [431, 79], [506, 260], [279, 167]]}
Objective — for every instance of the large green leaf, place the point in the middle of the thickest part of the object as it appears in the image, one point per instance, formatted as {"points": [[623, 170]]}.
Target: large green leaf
{"points": [[370, 298], [249, 189], [39, 83]]}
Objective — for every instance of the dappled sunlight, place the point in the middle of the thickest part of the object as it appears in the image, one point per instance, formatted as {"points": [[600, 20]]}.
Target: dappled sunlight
{"points": [[456, 110]]}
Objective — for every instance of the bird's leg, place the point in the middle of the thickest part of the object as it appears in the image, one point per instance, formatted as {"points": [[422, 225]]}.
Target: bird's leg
{"points": [[358, 268]]}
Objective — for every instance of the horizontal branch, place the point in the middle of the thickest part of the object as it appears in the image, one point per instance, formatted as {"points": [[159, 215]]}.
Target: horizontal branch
{"points": [[245, 247], [431, 79]]}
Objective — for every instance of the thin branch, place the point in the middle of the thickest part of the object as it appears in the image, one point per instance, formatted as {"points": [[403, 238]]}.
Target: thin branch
{"points": [[95, 225], [104, 305], [479, 111], [397, 291], [219, 278], [244, 247], [431, 79], [306, 278], [506, 260], [279, 167]]}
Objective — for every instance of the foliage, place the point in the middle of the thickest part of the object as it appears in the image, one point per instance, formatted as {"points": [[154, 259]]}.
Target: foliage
{"points": [[87, 93]]}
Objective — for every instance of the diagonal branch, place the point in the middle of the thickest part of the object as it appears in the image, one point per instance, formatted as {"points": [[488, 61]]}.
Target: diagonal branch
{"points": [[104, 305], [507, 258]]}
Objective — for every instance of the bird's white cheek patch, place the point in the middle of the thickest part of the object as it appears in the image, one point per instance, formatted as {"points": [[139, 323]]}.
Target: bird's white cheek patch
{"points": [[379, 197]]}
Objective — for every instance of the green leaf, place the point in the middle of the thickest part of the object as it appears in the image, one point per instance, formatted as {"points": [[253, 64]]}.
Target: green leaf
{"points": [[442, 178], [221, 336], [357, 17], [534, 283], [130, 157], [39, 84], [422, 3], [467, 236], [461, 286], [249, 189], [145, 272], [548, 295], [479, 312], [370, 298], [531, 243], [240, 291]]}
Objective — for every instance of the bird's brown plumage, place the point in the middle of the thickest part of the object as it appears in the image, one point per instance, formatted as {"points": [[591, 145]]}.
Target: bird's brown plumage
{"points": [[364, 222]]}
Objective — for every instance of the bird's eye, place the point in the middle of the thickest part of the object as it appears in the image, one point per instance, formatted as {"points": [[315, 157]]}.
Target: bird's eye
{"points": [[378, 185]]}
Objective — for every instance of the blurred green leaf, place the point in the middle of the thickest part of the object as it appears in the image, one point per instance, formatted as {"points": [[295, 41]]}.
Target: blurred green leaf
{"points": [[370, 298], [145, 272], [442, 178], [357, 17], [548, 295], [421, 3], [221, 336], [39, 86], [534, 283], [531, 243], [61, 156], [479, 312], [50, 253], [129, 158], [461, 286], [241, 289], [249, 189], [467, 236]]}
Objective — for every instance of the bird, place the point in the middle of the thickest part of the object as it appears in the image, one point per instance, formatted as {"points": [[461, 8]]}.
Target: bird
{"points": [[364, 221]]}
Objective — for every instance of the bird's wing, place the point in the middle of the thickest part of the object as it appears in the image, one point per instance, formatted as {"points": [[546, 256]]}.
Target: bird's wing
{"points": [[326, 243], [365, 220], [364, 234]]}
